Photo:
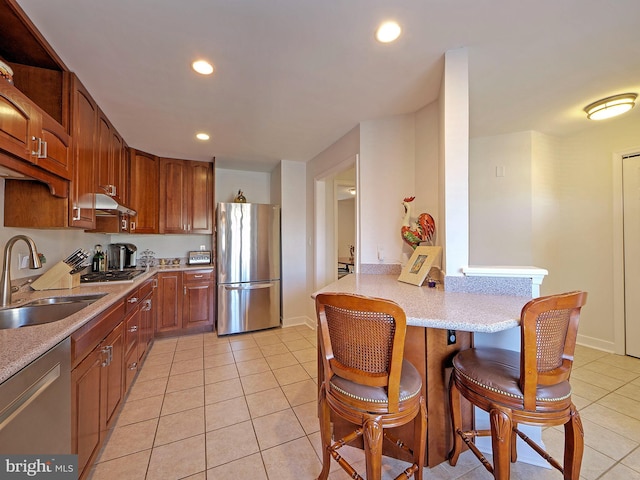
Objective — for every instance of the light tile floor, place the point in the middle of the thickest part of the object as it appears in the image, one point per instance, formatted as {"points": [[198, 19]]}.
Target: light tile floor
{"points": [[208, 408]]}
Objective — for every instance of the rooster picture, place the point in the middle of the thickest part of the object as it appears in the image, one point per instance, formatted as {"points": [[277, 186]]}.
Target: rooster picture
{"points": [[417, 232]]}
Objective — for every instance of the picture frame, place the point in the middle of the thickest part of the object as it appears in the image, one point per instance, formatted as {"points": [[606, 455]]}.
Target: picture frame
{"points": [[418, 266]]}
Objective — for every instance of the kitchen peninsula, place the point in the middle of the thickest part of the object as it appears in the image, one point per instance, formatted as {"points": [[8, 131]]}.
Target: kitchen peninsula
{"points": [[439, 324]]}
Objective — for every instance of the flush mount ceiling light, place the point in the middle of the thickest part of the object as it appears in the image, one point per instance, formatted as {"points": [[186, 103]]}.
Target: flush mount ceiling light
{"points": [[202, 136], [203, 67], [388, 32], [610, 106]]}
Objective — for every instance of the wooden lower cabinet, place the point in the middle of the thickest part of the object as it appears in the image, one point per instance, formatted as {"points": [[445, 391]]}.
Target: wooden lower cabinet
{"points": [[185, 302], [97, 390]]}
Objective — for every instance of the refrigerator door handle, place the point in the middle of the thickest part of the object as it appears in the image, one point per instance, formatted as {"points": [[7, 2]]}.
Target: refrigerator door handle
{"points": [[248, 287]]}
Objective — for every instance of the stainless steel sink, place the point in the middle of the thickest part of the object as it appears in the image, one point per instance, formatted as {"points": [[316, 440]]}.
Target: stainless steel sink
{"points": [[88, 299], [45, 310]]}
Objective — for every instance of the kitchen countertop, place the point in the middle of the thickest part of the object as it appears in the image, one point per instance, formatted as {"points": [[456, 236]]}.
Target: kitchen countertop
{"points": [[21, 346], [435, 308]]}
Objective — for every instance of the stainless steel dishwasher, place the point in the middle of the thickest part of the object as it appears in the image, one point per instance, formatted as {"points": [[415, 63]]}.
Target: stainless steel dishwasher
{"points": [[35, 405]]}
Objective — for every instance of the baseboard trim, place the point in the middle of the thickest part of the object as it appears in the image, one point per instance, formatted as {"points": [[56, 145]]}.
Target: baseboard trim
{"points": [[596, 343], [295, 321]]}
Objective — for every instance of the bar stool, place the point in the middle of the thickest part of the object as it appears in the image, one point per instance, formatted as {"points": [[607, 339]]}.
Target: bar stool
{"points": [[529, 387], [366, 380]]}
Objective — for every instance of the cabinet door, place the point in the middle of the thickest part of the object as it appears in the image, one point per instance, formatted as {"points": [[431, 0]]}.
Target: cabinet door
{"points": [[198, 299], [169, 304], [201, 198], [83, 185], [174, 192], [19, 121], [112, 382], [118, 166], [103, 156], [56, 157], [143, 192], [86, 421]]}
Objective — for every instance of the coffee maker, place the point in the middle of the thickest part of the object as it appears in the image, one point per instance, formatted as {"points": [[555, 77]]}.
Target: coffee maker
{"points": [[122, 255]]}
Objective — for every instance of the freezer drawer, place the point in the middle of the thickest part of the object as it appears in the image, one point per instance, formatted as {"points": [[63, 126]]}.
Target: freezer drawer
{"points": [[244, 307]]}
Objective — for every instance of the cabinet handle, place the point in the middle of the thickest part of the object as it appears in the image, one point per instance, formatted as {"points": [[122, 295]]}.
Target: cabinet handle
{"points": [[113, 190], [184, 290], [155, 283], [198, 276], [124, 224], [108, 351], [188, 227], [132, 300], [74, 215], [133, 329], [42, 149], [133, 366], [132, 226], [147, 306]]}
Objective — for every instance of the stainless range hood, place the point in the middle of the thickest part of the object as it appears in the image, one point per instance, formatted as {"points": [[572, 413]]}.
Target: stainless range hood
{"points": [[106, 205]]}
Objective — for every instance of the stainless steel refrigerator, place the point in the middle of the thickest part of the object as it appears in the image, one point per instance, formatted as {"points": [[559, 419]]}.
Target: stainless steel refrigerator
{"points": [[248, 261]]}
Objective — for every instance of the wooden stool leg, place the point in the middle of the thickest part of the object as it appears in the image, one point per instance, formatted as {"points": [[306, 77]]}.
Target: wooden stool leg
{"points": [[501, 442], [420, 439], [456, 421], [372, 433], [325, 434], [514, 441], [573, 445]]}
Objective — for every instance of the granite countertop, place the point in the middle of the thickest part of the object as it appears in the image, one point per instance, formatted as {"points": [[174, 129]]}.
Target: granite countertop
{"points": [[435, 308], [21, 346]]}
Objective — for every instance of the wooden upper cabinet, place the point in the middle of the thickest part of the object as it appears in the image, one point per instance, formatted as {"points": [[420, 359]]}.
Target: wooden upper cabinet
{"points": [[19, 121], [186, 196], [144, 172], [55, 148], [110, 160], [83, 184]]}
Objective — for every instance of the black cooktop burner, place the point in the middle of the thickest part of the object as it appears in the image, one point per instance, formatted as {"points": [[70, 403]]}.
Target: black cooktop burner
{"points": [[110, 276]]}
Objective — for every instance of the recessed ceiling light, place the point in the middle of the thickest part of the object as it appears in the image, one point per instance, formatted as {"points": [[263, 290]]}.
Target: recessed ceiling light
{"points": [[610, 106], [388, 32], [203, 67], [202, 136]]}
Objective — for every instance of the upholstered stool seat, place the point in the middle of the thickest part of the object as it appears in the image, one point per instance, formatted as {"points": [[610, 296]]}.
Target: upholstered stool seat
{"points": [[366, 381], [495, 370], [527, 387]]}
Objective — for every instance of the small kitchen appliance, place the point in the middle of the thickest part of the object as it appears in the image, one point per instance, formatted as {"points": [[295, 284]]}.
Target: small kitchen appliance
{"points": [[122, 255]]}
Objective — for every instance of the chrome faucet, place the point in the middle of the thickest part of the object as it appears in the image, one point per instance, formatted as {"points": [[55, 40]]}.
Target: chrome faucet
{"points": [[34, 262]]}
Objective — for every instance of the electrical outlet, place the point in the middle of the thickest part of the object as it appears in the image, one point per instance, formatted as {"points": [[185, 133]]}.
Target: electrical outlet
{"points": [[23, 261]]}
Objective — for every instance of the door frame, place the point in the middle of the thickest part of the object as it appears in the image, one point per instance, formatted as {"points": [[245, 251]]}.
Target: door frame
{"points": [[324, 221], [619, 331]]}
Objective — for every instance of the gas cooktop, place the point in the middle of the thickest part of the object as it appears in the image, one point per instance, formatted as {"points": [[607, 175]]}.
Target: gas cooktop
{"points": [[110, 276]]}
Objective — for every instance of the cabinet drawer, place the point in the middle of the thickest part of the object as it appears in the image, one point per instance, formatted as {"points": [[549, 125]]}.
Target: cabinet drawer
{"points": [[132, 300], [198, 276], [146, 288], [87, 337]]}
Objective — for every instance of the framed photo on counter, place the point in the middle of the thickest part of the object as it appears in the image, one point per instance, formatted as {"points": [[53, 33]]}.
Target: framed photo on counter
{"points": [[418, 266]]}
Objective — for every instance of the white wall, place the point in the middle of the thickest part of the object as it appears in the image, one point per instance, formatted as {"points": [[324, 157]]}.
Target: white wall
{"points": [[501, 231], [454, 161], [256, 186], [295, 297], [572, 212], [387, 171]]}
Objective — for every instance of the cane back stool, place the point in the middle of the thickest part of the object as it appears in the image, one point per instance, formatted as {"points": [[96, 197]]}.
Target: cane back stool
{"points": [[366, 381], [529, 387]]}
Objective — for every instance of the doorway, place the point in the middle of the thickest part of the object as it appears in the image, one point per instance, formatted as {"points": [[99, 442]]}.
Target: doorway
{"points": [[631, 239], [329, 187]]}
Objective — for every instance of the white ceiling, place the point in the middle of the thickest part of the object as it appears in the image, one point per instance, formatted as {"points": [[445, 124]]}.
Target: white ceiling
{"points": [[293, 76]]}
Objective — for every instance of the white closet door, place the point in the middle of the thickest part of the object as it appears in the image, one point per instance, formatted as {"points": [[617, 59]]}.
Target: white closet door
{"points": [[631, 186]]}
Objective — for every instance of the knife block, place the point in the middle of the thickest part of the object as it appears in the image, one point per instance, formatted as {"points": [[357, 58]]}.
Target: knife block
{"points": [[57, 277]]}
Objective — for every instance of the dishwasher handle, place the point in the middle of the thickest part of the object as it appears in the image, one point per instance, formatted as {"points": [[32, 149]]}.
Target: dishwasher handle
{"points": [[254, 286]]}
